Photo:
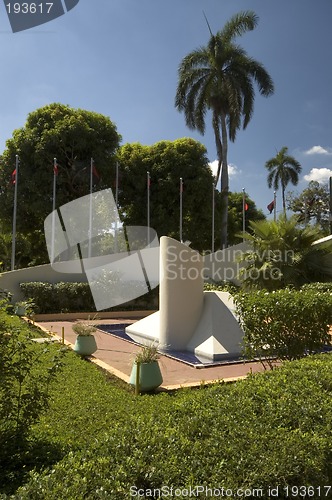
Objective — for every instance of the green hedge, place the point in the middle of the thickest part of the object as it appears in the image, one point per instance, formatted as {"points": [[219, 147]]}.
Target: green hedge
{"points": [[221, 286], [284, 324], [271, 430], [77, 297], [318, 287], [27, 369]]}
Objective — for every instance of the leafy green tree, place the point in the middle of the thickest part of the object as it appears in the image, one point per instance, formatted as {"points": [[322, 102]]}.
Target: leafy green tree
{"points": [[283, 254], [311, 205], [26, 250], [73, 137], [283, 169], [220, 78], [167, 161]]}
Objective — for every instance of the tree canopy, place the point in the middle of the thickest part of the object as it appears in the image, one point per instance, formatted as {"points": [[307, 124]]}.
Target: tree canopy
{"points": [[73, 137], [167, 162], [312, 205]]}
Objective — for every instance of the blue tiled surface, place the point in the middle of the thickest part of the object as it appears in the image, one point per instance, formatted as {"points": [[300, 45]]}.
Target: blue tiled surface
{"points": [[186, 357]]}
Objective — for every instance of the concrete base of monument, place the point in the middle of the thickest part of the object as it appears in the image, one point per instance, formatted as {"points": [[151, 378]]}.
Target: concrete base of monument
{"points": [[218, 334], [216, 337], [146, 330]]}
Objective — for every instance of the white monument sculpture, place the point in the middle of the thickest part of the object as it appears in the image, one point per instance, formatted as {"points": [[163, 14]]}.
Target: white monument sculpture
{"points": [[189, 319]]}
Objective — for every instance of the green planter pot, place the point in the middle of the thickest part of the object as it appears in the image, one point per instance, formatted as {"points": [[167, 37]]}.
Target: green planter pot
{"points": [[20, 310], [85, 345], [150, 376]]}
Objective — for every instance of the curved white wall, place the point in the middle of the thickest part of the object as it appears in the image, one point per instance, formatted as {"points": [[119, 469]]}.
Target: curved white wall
{"points": [[180, 293]]}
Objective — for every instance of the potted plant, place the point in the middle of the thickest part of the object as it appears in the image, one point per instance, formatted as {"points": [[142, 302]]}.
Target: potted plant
{"points": [[145, 374], [24, 308], [85, 344]]}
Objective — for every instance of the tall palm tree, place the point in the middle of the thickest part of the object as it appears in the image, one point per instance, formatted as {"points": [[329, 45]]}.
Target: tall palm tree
{"points": [[283, 169], [220, 78]]}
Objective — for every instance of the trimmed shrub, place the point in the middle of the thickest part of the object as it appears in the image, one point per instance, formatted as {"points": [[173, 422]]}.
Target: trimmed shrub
{"points": [[271, 430], [221, 286], [59, 297], [284, 324], [77, 297], [318, 287], [26, 371]]}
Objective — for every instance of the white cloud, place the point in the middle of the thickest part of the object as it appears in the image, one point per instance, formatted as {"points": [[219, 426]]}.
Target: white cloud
{"points": [[318, 150], [318, 174], [232, 169]]}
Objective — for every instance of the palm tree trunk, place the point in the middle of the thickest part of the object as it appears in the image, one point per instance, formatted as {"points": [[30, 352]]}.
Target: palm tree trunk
{"points": [[224, 183], [216, 129], [284, 200]]}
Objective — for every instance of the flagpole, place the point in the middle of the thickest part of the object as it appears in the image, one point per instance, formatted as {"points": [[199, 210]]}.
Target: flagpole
{"points": [[275, 205], [243, 213], [213, 209], [116, 204], [331, 205], [116, 184], [53, 207], [148, 181], [181, 189], [14, 215], [90, 208]]}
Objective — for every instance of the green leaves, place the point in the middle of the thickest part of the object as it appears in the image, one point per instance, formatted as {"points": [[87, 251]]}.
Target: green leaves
{"points": [[284, 325], [312, 204], [76, 297], [283, 254], [271, 429], [167, 161], [26, 372], [282, 169], [72, 136], [97, 440], [220, 79]]}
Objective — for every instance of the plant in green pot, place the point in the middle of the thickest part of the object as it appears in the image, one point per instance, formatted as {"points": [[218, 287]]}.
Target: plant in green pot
{"points": [[24, 308], [85, 344], [145, 374]]}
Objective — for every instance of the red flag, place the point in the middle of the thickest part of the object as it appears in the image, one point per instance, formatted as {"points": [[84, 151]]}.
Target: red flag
{"points": [[246, 206], [55, 169], [95, 172], [270, 207], [14, 176]]}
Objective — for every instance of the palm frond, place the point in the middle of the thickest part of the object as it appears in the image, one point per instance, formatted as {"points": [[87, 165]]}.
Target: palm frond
{"points": [[238, 25]]}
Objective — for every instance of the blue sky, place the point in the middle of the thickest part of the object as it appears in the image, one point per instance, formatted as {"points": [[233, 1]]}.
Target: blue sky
{"points": [[120, 58]]}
